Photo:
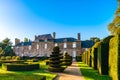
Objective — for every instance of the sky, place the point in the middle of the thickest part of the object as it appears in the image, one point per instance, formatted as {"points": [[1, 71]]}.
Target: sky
{"points": [[27, 18]]}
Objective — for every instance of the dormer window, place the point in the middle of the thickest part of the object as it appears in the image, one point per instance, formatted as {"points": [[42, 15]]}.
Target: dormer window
{"points": [[74, 44], [30, 47], [65, 45]]}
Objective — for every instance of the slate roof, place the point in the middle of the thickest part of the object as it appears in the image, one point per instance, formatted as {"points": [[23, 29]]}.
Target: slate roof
{"points": [[59, 40], [87, 44], [24, 43], [44, 36]]}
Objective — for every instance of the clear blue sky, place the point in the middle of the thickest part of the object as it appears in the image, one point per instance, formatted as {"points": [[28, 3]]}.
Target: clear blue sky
{"points": [[27, 18]]}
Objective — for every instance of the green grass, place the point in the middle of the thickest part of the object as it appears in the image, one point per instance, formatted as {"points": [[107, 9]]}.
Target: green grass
{"points": [[89, 74], [27, 75]]}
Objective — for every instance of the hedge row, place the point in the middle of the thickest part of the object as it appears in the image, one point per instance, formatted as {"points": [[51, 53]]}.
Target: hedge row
{"points": [[114, 58], [19, 67], [105, 57]]}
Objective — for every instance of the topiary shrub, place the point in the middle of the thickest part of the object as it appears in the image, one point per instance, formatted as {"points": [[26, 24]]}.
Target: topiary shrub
{"points": [[79, 58], [67, 60], [94, 55], [2, 58], [114, 58], [19, 67], [55, 61], [13, 57], [8, 58], [103, 56], [18, 57]]}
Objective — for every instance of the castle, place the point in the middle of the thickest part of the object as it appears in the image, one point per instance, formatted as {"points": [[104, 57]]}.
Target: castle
{"points": [[43, 46]]}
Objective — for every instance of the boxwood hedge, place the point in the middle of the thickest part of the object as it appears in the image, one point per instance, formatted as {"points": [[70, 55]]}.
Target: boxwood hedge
{"points": [[19, 67]]}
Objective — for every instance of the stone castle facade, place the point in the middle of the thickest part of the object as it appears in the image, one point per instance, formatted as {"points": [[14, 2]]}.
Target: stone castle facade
{"points": [[43, 46]]}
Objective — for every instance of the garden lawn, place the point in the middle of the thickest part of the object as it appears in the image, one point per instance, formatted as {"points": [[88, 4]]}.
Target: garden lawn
{"points": [[90, 74], [27, 75]]}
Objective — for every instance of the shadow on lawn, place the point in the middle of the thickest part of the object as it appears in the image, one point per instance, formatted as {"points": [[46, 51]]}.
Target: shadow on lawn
{"points": [[91, 74]]}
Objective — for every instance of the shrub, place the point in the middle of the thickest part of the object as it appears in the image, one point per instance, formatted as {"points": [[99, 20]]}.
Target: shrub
{"points": [[79, 58], [18, 57], [114, 58], [55, 62], [13, 57], [67, 60], [19, 67], [8, 57], [103, 56], [2, 58]]}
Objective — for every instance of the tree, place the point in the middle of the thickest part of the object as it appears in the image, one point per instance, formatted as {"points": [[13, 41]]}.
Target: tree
{"points": [[95, 39], [6, 46], [25, 39], [114, 27], [1, 51]]}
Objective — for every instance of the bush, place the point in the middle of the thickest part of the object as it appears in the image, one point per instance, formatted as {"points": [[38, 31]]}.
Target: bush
{"points": [[114, 58], [55, 61], [103, 56], [19, 67], [79, 58], [13, 57], [18, 57], [2, 58], [8, 57]]}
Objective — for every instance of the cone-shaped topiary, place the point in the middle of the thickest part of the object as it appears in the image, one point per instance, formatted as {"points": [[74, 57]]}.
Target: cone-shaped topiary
{"points": [[67, 60], [55, 61]]}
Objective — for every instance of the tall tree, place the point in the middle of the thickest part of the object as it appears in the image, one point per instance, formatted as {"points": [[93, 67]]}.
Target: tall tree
{"points": [[25, 39], [114, 27]]}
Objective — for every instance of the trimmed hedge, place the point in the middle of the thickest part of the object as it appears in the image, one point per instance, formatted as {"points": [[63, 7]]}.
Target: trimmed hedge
{"points": [[103, 56], [94, 55], [19, 67], [114, 58]]}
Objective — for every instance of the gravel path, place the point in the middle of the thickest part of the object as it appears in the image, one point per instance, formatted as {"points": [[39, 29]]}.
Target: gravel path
{"points": [[71, 73]]}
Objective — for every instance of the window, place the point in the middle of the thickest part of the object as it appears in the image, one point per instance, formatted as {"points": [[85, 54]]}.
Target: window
{"points": [[74, 44], [29, 47], [45, 46], [65, 45], [56, 44], [37, 46]]}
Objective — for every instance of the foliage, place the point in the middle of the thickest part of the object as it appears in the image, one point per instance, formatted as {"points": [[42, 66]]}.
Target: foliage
{"points": [[8, 57], [67, 60], [19, 67], [89, 74], [28, 75], [114, 58], [95, 39], [1, 51], [25, 39], [103, 56], [2, 58], [6, 46], [55, 62]]}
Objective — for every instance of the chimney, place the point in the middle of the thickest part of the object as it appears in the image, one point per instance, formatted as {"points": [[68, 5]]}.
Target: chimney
{"points": [[35, 37], [17, 41], [78, 36], [54, 35]]}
